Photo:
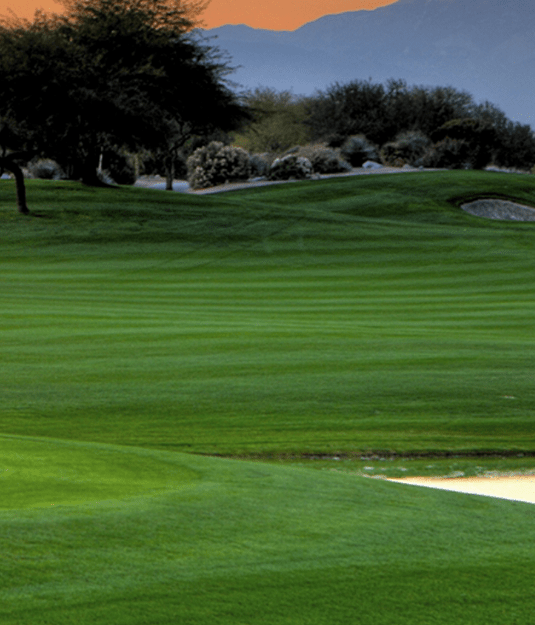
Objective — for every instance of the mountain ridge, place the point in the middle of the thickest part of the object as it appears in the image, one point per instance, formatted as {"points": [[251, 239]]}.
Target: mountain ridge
{"points": [[481, 46]]}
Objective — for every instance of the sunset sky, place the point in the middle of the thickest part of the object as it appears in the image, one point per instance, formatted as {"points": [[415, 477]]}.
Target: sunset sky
{"points": [[271, 14]]}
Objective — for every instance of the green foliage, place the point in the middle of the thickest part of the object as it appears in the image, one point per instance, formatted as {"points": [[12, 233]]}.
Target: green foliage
{"points": [[448, 154], [216, 164], [290, 166], [383, 112], [344, 110], [111, 74], [476, 140], [277, 121], [516, 146], [408, 148], [357, 150]]}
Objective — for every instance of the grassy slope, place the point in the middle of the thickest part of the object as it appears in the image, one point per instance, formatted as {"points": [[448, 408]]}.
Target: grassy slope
{"points": [[341, 316], [159, 537], [347, 315]]}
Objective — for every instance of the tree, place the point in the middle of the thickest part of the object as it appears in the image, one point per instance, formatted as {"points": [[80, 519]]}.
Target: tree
{"points": [[277, 121], [112, 74], [435, 106], [8, 160], [355, 108], [479, 137]]}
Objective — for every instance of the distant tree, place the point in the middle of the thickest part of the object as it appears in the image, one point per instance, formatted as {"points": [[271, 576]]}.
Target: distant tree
{"points": [[277, 121], [479, 136], [435, 106], [400, 113], [382, 112], [355, 108], [112, 74], [516, 146]]}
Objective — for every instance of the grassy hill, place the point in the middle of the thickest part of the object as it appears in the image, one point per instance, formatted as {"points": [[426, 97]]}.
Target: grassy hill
{"points": [[365, 316]]}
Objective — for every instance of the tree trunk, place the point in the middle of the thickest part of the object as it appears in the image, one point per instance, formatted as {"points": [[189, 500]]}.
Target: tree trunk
{"points": [[169, 174], [7, 163]]}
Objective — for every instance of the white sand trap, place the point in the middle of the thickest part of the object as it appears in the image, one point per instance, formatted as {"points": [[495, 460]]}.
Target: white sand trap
{"points": [[517, 487]]}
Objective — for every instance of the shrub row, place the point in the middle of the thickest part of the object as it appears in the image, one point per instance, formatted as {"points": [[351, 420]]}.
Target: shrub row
{"points": [[456, 145], [217, 163]]}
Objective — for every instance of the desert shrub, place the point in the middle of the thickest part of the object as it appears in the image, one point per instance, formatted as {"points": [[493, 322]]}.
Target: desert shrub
{"points": [[45, 169], [407, 148], [478, 135], [324, 160], [448, 153], [391, 155], [217, 163], [290, 166], [356, 150], [260, 164]]}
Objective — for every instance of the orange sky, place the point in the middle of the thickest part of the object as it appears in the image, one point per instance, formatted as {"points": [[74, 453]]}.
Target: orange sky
{"points": [[271, 14]]}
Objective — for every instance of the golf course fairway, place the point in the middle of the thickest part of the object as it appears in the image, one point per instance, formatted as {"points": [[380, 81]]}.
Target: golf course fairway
{"points": [[193, 387]]}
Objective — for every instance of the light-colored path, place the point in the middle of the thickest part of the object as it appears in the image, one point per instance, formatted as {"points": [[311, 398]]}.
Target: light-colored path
{"points": [[517, 487], [182, 186]]}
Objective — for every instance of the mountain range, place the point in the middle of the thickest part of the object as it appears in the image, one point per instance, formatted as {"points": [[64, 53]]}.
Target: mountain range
{"points": [[485, 47]]}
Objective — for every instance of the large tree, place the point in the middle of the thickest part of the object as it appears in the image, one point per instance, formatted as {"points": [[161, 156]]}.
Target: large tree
{"points": [[108, 74], [277, 121]]}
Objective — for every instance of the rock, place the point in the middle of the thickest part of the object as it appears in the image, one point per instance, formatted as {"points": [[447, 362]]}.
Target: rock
{"points": [[372, 165]]}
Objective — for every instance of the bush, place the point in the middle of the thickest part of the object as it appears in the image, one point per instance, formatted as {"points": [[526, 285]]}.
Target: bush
{"points": [[479, 137], [407, 148], [45, 169], [356, 150], [324, 160], [260, 164], [290, 166], [217, 163], [448, 153]]}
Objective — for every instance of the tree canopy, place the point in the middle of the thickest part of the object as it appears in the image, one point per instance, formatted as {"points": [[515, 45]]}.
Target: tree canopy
{"points": [[111, 73]]}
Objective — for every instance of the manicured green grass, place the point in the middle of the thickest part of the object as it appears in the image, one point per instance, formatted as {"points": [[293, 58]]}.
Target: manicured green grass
{"points": [[358, 317], [207, 540], [273, 320]]}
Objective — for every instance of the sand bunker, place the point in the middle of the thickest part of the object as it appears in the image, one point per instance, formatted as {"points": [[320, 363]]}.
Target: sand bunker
{"points": [[500, 209], [517, 487]]}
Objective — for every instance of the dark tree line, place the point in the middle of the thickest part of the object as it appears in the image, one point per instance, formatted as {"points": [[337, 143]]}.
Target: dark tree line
{"points": [[110, 74], [382, 112]]}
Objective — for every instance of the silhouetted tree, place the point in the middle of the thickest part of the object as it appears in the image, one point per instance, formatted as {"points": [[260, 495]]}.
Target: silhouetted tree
{"points": [[112, 73], [8, 161], [354, 108]]}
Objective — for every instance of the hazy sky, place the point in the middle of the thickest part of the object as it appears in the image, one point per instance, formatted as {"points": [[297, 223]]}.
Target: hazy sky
{"points": [[271, 14]]}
